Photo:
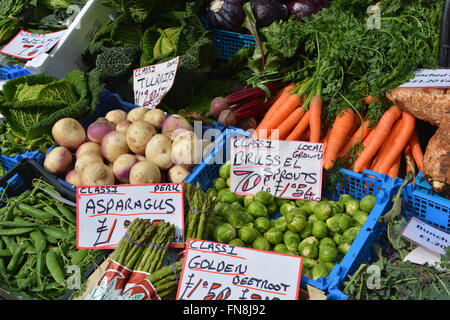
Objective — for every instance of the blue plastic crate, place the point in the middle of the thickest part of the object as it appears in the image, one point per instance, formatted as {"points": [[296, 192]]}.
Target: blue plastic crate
{"points": [[11, 72], [354, 184], [9, 162], [228, 42], [422, 202]]}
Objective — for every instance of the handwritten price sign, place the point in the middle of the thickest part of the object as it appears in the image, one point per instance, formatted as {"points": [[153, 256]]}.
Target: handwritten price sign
{"points": [[216, 271], [105, 212], [150, 84], [27, 45], [286, 169], [429, 78]]}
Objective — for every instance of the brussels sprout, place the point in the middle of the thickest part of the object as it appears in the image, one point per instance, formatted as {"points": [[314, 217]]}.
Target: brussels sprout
{"points": [[224, 171], [261, 243], [350, 234], [359, 217], [307, 272], [280, 248], [237, 205], [237, 242], [299, 203], [330, 266], [247, 218], [306, 232], [235, 218], [320, 270], [225, 233], [319, 229], [247, 233], [241, 199], [295, 222], [248, 199], [220, 209], [327, 253], [274, 236], [222, 192], [308, 263], [367, 203], [322, 211], [264, 197], [327, 241], [351, 205], [257, 209], [229, 182], [213, 222], [280, 224], [343, 198], [272, 209], [343, 248], [299, 211], [211, 193], [286, 207], [262, 224], [281, 201], [229, 197], [338, 239], [291, 240], [309, 251], [309, 206], [309, 240], [219, 184], [339, 222], [312, 218]]}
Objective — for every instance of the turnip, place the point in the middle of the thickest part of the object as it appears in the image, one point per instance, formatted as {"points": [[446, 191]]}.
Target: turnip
{"points": [[145, 172], [122, 167], [186, 149], [98, 129], [88, 146], [113, 145], [137, 114], [73, 178], [156, 118], [116, 116], [97, 174], [123, 126], [68, 133], [174, 122], [58, 160], [86, 160], [159, 150], [138, 135], [178, 173], [217, 105]]}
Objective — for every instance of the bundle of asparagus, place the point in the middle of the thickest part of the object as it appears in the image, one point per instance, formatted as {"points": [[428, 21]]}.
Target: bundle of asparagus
{"points": [[165, 279], [199, 208]]}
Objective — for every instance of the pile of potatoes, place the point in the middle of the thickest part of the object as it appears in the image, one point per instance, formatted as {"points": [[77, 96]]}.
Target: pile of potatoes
{"points": [[139, 147]]}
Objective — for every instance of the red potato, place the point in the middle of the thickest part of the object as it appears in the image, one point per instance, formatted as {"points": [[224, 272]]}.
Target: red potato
{"points": [[123, 126], [156, 118], [73, 178], [137, 114], [98, 129], [116, 116], [113, 145], [87, 147], [138, 135], [68, 133], [145, 172], [122, 167], [58, 160]]}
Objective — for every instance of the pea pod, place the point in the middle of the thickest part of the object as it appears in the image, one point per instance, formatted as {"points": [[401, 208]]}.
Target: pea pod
{"points": [[10, 244], [39, 240], [36, 213], [15, 231], [9, 213], [5, 253], [57, 233], [17, 224], [15, 261], [79, 256], [67, 213], [3, 272], [25, 269], [53, 266]]}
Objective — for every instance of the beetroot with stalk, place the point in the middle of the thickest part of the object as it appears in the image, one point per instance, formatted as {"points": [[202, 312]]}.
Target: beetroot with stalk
{"points": [[227, 118], [218, 104]]}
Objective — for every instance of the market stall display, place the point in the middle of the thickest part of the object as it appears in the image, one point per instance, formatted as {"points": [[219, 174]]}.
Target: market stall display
{"points": [[352, 87]]}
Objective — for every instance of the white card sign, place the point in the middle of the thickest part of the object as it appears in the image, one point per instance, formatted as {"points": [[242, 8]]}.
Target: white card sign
{"points": [[216, 271], [426, 236], [105, 212], [429, 78], [150, 84], [285, 169], [27, 45]]}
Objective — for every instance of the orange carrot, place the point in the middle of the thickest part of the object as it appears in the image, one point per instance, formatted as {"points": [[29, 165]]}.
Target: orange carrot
{"points": [[289, 123], [376, 138], [315, 107], [393, 170], [399, 143], [300, 128], [395, 130], [282, 108], [359, 135], [340, 129], [286, 89], [408, 156], [416, 150], [368, 99]]}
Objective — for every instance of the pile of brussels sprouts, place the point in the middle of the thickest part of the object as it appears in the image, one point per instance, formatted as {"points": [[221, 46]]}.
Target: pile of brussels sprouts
{"points": [[319, 231]]}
